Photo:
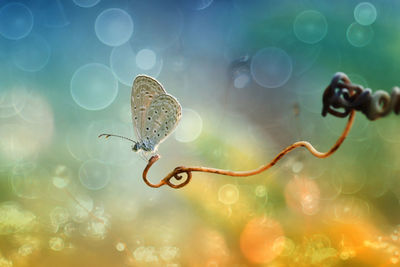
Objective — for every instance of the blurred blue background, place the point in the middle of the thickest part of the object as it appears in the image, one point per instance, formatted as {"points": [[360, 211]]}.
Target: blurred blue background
{"points": [[249, 76]]}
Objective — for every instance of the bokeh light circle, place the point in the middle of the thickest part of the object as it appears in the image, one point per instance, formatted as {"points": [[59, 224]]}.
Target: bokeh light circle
{"points": [[261, 191], [61, 176], [228, 194], [120, 246], [94, 175], [59, 216], [303, 195], [16, 21], [114, 27], [94, 86], [196, 4], [86, 3], [126, 64], [365, 13], [359, 35], [31, 54], [190, 126], [56, 243], [146, 59], [271, 67], [310, 26]]}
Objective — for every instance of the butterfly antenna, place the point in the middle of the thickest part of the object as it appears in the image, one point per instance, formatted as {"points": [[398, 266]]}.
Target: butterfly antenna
{"points": [[123, 137]]}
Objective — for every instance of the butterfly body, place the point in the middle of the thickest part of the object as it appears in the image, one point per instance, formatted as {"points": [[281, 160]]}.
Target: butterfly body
{"points": [[144, 145]]}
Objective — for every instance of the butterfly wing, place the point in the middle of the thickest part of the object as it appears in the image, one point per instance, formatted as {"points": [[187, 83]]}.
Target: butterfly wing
{"points": [[144, 90], [161, 119]]}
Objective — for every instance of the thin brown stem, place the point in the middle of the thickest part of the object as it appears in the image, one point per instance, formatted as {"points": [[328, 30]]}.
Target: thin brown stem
{"points": [[188, 170]]}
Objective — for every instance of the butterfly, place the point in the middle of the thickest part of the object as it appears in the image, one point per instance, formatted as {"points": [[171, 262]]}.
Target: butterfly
{"points": [[155, 115]]}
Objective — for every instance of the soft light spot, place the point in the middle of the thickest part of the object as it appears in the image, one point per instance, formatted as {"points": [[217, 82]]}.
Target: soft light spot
{"points": [[228, 194], [146, 59], [14, 219], [310, 26], [190, 126], [86, 3], [94, 175], [359, 35], [59, 216], [120, 246], [114, 27], [365, 13], [94, 86], [271, 67], [61, 176], [16, 21], [261, 191], [56, 243], [303, 195]]}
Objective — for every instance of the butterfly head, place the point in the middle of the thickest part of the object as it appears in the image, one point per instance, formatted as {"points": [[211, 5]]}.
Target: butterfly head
{"points": [[136, 147]]}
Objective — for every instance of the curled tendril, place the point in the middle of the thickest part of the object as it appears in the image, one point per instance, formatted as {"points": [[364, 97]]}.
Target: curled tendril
{"points": [[167, 179], [342, 94], [188, 170]]}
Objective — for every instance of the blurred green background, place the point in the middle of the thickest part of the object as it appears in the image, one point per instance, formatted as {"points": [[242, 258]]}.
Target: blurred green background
{"points": [[249, 76]]}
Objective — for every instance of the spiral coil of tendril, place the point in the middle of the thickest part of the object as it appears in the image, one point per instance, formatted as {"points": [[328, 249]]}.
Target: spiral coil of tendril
{"points": [[342, 94], [167, 179]]}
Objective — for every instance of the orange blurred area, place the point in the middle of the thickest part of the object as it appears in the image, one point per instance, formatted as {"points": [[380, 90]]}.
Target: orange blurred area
{"points": [[258, 238]]}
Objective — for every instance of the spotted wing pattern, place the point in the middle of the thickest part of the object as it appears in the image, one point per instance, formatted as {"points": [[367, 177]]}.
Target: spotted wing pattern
{"points": [[144, 90], [161, 119]]}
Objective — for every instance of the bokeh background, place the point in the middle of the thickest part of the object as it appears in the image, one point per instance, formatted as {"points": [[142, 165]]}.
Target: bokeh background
{"points": [[250, 77]]}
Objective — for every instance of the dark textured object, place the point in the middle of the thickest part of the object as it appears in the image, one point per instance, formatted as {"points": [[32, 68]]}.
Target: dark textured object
{"points": [[342, 94]]}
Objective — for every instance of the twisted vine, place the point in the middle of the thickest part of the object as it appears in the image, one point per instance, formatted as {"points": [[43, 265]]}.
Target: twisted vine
{"points": [[342, 94], [176, 173]]}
